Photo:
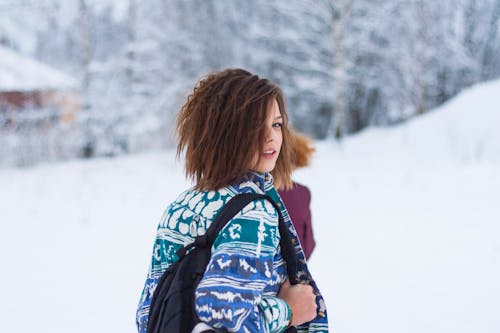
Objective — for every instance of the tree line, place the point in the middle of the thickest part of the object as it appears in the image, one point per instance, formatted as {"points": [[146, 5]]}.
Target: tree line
{"points": [[344, 65]]}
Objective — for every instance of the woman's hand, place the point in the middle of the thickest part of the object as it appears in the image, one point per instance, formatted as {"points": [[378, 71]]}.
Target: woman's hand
{"points": [[302, 301]]}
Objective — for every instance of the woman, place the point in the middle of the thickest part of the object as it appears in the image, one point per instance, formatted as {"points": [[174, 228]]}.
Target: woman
{"points": [[233, 131], [297, 197]]}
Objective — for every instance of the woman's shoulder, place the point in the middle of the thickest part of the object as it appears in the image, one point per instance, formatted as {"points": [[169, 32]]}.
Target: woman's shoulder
{"points": [[206, 204], [203, 203], [296, 190], [300, 187], [191, 213]]}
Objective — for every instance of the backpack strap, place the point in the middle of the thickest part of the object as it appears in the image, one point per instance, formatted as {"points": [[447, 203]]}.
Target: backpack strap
{"points": [[287, 248], [230, 209]]}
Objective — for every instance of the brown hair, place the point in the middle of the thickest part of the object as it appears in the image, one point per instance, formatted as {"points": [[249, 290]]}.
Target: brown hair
{"points": [[222, 126], [302, 150]]}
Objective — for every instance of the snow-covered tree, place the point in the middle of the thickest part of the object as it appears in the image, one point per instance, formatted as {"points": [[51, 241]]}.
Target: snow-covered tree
{"points": [[343, 65]]}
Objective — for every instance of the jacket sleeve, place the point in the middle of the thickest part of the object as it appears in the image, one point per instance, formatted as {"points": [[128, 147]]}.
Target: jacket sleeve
{"points": [[230, 294], [308, 236]]}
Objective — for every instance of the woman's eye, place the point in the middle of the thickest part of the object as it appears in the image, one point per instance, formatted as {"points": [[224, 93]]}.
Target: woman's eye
{"points": [[277, 124]]}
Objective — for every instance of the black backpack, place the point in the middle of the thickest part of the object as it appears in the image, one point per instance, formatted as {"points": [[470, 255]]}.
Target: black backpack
{"points": [[172, 306]]}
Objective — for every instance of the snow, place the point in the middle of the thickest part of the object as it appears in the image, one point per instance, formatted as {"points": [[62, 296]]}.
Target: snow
{"points": [[20, 73], [406, 224]]}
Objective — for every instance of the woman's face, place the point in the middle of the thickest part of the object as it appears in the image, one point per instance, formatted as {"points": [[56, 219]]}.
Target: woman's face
{"points": [[265, 159]]}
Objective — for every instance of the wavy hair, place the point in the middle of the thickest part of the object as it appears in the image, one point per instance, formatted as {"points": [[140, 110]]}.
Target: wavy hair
{"points": [[221, 127]]}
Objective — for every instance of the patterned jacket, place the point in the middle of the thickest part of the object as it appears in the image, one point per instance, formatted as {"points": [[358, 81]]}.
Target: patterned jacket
{"points": [[239, 288]]}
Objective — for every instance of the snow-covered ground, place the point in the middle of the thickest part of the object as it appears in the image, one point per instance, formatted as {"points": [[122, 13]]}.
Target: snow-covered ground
{"points": [[407, 223]]}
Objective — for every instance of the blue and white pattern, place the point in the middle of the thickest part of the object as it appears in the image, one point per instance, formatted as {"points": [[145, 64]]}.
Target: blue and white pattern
{"points": [[239, 288]]}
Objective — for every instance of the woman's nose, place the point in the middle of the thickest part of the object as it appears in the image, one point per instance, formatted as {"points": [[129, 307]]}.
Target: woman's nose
{"points": [[269, 136]]}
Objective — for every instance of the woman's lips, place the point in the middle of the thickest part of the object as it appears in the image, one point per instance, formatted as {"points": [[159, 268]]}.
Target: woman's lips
{"points": [[270, 154]]}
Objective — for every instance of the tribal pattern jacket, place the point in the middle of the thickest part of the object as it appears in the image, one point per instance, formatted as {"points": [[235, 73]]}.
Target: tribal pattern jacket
{"points": [[239, 288]]}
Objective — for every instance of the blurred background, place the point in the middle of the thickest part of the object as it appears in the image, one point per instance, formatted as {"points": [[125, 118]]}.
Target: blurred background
{"points": [[402, 98], [103, 77]]}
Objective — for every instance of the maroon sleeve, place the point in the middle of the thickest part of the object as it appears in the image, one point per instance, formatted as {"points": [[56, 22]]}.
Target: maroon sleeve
{"points": [[308, 238], [297, 201]]}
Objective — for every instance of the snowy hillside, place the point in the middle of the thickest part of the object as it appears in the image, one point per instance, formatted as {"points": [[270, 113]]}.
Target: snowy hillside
{"points": [[406, 222]]}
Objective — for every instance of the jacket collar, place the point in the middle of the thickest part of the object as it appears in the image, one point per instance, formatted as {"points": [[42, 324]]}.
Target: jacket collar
{"points": [[254, 181]]}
